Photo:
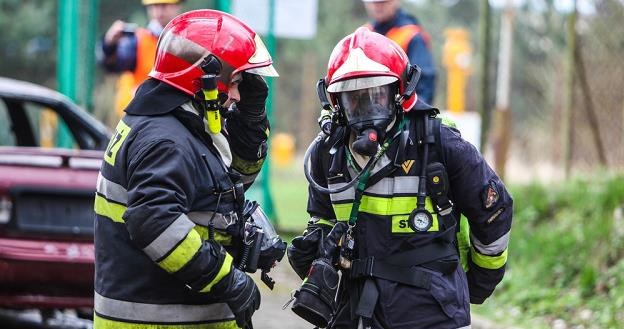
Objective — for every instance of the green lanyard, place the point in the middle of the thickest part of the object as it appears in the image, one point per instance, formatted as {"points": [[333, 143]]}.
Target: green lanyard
{"points": [[361, 185]]}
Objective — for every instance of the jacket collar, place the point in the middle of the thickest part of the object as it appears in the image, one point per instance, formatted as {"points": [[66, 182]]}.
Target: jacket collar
{"points": [[156, 98]]}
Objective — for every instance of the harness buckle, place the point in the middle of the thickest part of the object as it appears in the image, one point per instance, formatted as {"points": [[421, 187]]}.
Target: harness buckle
{"points": [[447, 209], [362, 267]]}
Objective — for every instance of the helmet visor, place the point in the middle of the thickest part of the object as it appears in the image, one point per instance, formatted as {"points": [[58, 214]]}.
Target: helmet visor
{"points": [[367, 104]]}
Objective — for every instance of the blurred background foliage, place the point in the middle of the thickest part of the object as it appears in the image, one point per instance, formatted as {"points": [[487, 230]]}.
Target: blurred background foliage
{"points": [[28, 51]]}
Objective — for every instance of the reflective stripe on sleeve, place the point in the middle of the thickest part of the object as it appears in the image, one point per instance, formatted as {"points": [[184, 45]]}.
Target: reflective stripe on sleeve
{"points": [[111, 190], [169, 238], [182, 253], [103, 323], [109, 209], [493, 248], [160, 313], [225, 269], [488, 262]]}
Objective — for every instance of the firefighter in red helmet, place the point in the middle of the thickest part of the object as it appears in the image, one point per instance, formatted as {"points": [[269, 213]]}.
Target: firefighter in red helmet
{"points": [[388, 187], [172, 224]]}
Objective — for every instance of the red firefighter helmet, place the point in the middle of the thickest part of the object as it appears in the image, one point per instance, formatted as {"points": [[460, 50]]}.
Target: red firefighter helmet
{"points": [[191, 36], [366, 59]]}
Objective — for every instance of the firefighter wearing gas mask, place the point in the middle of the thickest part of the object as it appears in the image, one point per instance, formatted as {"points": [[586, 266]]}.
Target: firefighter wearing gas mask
{"points": [[391, 193], [174, 234]]}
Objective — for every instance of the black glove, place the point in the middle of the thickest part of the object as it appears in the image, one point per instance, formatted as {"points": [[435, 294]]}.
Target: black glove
{"points": [[253, 94], [303, 250], [242, 296], [481, 281], [329, 244]]}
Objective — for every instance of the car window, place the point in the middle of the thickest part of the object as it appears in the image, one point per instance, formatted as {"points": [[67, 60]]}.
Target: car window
{"points": [[33, 124], [6, 134]]}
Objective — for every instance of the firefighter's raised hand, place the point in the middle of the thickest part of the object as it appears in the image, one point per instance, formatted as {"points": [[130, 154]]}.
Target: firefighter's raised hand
{"points": [[253, 94]]}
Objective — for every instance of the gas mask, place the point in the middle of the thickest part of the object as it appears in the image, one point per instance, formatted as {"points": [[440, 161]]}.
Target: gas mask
{"points": [[368, 112]]}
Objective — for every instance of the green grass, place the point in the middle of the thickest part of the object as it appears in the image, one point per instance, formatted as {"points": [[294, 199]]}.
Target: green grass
{"points": [[566, 256], [289, 190]]}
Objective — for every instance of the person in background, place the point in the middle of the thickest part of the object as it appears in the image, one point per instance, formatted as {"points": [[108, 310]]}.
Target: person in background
{"points": [[130, 50], [390, 20]]}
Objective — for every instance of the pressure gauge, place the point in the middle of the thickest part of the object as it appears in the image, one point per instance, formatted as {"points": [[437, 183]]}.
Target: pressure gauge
{"points": [[420, 220]]}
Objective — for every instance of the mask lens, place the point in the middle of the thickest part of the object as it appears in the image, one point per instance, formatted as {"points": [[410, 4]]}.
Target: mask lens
{"points": [[367, 104]]}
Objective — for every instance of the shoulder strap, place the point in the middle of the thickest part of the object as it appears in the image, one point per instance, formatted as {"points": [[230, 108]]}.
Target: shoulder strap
{"points": [[436, 128]]}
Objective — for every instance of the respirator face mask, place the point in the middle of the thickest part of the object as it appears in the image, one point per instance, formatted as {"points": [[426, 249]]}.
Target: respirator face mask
{"points": [[368, 112]]}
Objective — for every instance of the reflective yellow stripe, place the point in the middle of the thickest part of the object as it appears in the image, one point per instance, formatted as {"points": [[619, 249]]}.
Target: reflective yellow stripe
{"points": [[223, 271], [400, 224], [381, 206], [222, 238], [325, 222], [342, 211], [108, 209], [102, 323], [183, 253], [488, 262], [463, 242]]}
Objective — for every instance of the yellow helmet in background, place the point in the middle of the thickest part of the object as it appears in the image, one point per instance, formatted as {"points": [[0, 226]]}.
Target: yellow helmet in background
{"points": [[156, 2]]}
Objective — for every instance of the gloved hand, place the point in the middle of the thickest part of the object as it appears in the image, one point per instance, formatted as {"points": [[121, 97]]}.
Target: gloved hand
{"points": [[303, 250], [481, 281], [318, 241], [329, 244], [242, 296], [253, 94]]}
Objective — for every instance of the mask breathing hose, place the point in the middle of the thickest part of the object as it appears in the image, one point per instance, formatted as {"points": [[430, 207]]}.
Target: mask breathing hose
{"points": [[318, 187]]}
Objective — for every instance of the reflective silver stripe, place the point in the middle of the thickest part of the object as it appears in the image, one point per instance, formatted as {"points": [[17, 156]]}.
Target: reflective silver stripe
{"points": [[220, 221], [349, 194], [111, 191], [395, 185], [493, 248], [160, 313], [169, 238], [386, 187]]}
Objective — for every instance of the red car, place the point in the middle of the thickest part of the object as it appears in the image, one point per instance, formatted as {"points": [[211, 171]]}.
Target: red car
{"points": [[46, 198]]}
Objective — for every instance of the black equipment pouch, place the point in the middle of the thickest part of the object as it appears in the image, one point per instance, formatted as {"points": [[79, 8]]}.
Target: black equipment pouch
{"points": [[438, 187], [315, 300]]}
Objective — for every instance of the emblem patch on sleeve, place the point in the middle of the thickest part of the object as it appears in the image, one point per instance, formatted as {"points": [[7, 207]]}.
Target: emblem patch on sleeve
{"points": [[490, 195]]}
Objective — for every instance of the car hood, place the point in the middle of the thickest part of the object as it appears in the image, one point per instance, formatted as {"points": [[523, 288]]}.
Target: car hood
{"points": [[61, 168]]}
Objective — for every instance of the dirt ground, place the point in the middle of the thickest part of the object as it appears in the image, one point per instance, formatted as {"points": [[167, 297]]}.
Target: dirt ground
{"points": [[271, 315]]}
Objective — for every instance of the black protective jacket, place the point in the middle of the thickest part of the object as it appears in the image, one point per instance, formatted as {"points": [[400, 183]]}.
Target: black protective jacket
{"points": [[162, 182], [382, 231]]}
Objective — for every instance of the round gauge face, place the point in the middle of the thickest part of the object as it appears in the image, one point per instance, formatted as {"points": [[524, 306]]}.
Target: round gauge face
{"points": [[420, 220]]}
